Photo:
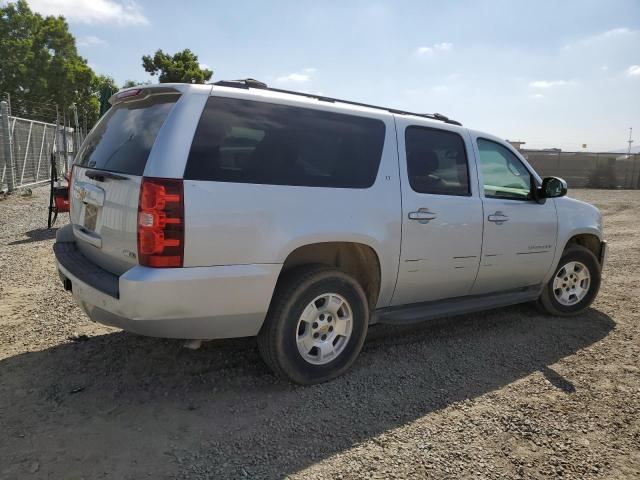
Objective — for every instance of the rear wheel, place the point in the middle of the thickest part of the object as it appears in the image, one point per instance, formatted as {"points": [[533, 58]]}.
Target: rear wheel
{"points": [[316, 325], [574, 284]]}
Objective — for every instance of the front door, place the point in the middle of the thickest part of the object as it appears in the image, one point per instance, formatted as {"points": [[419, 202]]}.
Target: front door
{"points": [[519, 234], [441, 214]]}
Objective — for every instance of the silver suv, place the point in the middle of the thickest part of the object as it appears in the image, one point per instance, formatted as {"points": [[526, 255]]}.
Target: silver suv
{"points": [[234, 209]]}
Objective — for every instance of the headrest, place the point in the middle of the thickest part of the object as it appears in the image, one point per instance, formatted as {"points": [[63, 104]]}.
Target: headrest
{"points": [[422, 162]]}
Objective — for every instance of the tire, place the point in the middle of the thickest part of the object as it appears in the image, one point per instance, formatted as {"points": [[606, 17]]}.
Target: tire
{"points": [[549, 301], [292, 320]]}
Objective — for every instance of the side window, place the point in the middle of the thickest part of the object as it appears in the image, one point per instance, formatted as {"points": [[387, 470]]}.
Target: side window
{"points": [[265, 143], [436, 161], [504, 175]]}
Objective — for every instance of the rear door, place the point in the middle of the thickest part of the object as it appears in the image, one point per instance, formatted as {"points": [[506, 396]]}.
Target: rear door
{"points": [[519, 234], [441, 214], [107, 175]]}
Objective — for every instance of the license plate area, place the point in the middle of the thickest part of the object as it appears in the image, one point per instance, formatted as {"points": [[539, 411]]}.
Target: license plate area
{"points": [[90, 216]]}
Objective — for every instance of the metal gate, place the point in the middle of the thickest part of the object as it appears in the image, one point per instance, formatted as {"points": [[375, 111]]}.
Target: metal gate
{"points": [[26, 147]]}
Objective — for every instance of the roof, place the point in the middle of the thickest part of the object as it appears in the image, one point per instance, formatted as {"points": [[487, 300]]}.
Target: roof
{"points": [[250, 83]]}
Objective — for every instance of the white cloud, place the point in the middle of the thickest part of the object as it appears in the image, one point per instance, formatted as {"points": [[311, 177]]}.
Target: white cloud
{"points": [[537, 96], [424, 50], [634, 71], [614, 33], [436, 47], [119, 12], [92, 41], [444, 46], [551, 83], [293, 78], [302, 76]]}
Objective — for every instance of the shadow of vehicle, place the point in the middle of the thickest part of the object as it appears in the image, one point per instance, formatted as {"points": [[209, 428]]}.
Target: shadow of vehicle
{"points": [[129, 406], [37, 235]]}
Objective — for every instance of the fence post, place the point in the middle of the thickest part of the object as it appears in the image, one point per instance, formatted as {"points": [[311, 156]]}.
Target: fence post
{"points": [[7, 164], [44, 135], [26, 153]]}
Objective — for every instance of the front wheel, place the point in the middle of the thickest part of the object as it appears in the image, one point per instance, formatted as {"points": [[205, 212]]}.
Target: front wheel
{"points": [[316, 325], [574, 284]]}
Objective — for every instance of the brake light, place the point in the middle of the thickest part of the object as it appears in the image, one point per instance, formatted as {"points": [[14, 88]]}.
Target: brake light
{"points": [[161, 223], [127, 94]]}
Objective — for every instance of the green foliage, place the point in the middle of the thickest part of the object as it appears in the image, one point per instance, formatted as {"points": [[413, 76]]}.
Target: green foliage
{"points": [[101, 82], [183, 67], [133, 83], [104, 86], [40, 66]]}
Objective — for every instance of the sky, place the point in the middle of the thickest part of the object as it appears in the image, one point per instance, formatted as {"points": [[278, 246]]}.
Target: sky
{"points": [[550, 73]]}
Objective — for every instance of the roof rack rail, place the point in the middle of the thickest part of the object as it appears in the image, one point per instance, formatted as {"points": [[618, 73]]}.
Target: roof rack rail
{"points": [[243, 83], [252, 83]]}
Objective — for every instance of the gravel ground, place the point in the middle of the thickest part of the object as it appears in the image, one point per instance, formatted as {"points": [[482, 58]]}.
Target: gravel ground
{"points": [[508, 393]]}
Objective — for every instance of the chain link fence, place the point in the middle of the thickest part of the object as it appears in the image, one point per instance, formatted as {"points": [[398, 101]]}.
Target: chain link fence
{"points": [[588, 170], [27, 146]]}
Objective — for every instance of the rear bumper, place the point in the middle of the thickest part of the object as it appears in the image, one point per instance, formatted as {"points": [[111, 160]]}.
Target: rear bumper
{"points": [[194, 303]]}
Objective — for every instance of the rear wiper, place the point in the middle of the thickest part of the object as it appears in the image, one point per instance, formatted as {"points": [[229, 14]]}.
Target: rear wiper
{"points": [[99, 175]]}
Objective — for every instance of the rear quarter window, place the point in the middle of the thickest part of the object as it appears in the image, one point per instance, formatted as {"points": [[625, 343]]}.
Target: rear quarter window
{"points": [[122, 139], [264, 143]]}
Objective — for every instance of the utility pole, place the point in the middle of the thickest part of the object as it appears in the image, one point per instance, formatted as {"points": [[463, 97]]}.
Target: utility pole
{"points": [[630, 141]]}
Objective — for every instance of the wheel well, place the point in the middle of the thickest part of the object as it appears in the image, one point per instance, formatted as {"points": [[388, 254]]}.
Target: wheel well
{"points": [[586, 240], [356, 259]]}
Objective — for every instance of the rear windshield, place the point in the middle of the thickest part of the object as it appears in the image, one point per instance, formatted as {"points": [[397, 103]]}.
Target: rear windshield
{"points": [[122, 139], [257, 142]]}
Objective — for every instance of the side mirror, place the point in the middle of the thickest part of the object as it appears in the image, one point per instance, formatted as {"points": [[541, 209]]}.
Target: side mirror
{"points": [[553, 187]]}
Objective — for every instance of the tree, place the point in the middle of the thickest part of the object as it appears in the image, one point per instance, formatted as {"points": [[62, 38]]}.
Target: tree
{"points": [[105, 86], [183, 67], [40, 66], [133, 83]]}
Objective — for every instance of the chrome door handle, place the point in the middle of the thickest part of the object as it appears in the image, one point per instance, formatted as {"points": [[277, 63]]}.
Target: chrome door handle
{"points": [[498, 218], [422, 215]]}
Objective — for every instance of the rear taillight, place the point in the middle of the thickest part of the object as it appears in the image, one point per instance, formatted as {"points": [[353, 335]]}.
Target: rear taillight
{"points": [[161, 223]]}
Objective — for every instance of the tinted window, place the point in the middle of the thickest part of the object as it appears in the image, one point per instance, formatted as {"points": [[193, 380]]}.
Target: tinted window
{"points": [[256, 142], [122, 139], [436, 161], [503, 174]]}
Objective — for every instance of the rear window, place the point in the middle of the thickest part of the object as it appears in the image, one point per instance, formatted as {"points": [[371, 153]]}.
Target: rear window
{"points": [[257, 142], [122, 139]]}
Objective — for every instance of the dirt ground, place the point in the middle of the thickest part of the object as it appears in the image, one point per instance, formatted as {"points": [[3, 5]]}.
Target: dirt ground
{"points": [[508, 393]]}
